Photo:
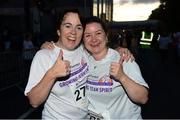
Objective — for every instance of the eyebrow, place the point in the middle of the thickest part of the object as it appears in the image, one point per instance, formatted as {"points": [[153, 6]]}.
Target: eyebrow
{"points": [[101, 30], [95, 31], [71, 24]]}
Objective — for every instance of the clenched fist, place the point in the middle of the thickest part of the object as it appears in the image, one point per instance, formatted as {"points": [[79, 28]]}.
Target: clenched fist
{"points": [[116, 70], [61, 68]]}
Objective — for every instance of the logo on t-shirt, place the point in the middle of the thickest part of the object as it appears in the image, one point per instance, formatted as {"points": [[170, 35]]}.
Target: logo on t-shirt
{"points": [[103, 84], [105, 81]]}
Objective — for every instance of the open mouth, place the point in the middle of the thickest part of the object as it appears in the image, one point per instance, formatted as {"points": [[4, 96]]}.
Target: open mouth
{"points": [[95, 45], [71, 38]]}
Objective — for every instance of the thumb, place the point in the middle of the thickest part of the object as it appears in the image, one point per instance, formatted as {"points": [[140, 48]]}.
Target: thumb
{"points": [[121, 60], [60, 55]]}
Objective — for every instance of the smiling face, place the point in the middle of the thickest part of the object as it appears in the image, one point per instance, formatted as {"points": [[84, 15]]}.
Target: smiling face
{"points": [[95, 40], [70, 32]]}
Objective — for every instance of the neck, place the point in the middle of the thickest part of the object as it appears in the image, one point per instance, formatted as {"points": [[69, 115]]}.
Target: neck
{"points": [[101, 55], [58, 44]]}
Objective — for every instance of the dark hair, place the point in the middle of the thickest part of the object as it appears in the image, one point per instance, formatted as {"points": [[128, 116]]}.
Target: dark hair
{"points": [[61, 16], [96, 20]]}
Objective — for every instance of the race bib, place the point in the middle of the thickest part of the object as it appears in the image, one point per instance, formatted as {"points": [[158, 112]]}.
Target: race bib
{"points": [[80, 95], [94, 116]]}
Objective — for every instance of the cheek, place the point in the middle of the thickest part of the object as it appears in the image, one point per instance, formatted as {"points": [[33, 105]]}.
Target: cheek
{"points": [[63, 33], [86, 43], [85, 40], [80, 36], [79, 33], [104, 40]]}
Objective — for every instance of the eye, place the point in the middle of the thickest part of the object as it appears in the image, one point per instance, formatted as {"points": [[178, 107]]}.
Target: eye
{"points": [[99, 33], [67, 25], [80, 28], [87, 36]]}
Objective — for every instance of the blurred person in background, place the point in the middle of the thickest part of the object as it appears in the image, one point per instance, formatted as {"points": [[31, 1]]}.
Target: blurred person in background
{"points": [[176, 36], [6, 39], [27, 42], [164, 42]]}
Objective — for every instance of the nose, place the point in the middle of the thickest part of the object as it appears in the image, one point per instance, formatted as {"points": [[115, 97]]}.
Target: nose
{"points": [[73, 31], [93, 38]]}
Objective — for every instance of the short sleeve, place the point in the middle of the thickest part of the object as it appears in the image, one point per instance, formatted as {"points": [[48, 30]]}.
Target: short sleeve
{"points": [[39, 66]]}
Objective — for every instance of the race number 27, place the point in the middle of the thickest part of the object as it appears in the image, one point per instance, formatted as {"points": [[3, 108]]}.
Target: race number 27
{"points": [[80, 93]]}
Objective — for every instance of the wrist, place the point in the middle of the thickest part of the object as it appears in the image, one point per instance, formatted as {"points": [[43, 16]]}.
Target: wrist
{"points": [[122, 78], [51, 74]]}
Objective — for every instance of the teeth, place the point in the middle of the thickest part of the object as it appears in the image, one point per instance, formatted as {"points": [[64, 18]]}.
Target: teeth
{"points": [[71, 38], [94, 45]]}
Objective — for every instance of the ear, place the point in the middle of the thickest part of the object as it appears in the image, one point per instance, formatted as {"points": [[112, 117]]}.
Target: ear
{"points": [[107, 41], [107, 36], [58, 32]]}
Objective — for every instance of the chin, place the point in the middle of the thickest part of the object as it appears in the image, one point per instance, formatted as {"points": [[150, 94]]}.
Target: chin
{"points": [[72, 47]]}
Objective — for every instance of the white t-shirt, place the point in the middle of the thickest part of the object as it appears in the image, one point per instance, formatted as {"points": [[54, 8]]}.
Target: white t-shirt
{"points": [[67, 98], [107, 97]]}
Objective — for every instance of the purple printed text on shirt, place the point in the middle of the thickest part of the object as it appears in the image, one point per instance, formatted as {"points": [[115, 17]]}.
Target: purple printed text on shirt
{"points": [[77, 75], [99, 89]]}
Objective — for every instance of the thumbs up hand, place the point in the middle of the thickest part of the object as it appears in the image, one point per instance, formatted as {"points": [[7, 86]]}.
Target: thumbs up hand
{"points": [[116, 70], [60, 55], [61, 68]]}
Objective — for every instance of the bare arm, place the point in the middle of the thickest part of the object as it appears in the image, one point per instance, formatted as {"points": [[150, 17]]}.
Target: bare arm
{"points": [[40, 92]]}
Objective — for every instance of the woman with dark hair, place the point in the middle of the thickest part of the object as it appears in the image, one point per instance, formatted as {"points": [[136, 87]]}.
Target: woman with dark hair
{"points": [[57, 77], [115, 89]]}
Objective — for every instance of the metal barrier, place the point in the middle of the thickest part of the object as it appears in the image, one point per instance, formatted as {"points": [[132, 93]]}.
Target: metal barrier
{"points": [[14, 67], [14, 70]]}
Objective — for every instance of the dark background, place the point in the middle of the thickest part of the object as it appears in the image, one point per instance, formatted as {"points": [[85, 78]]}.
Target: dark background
{"points": [[162, 77]]}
